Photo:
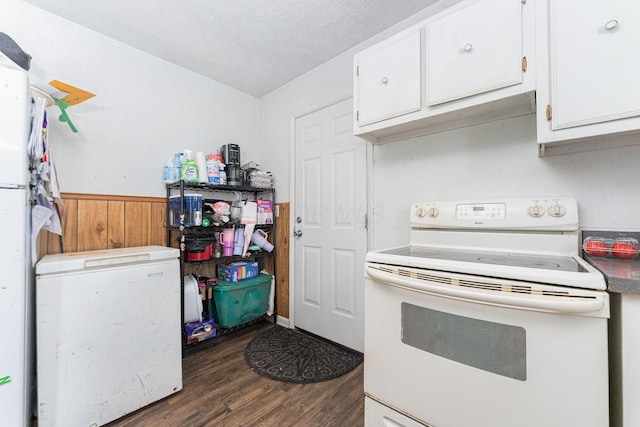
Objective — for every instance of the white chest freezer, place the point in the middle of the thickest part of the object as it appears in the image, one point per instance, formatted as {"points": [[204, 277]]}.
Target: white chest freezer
{"points": [[108, 333]]}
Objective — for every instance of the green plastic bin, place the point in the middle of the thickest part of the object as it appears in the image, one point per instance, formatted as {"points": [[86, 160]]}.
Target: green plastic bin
{"points": [[241, 302]]}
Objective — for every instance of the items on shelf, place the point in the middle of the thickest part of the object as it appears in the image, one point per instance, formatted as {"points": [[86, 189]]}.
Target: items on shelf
{"points": [[192, 302], [219, 168], [189, 168], [213, 168], [192, 209], [241, 302], [200, 331], [237, 271], [224, 253], [265, 211], [231, 158], [259, 237], [226, 238]]}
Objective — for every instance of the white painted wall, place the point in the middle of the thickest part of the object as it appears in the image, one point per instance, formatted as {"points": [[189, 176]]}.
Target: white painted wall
{"points": [[491, 160], [145, 108], [500, 159]]}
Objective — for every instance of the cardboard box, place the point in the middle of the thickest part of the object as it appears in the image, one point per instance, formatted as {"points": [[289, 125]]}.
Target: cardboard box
{"points": [[265, 211], [237, 271], [200, 331]]}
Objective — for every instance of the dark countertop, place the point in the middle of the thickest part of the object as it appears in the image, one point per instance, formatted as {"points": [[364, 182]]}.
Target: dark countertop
{"points": [[623, 275]]}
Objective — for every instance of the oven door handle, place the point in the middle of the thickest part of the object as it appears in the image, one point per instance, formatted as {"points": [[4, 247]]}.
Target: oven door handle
{"points": [[577, 304]]}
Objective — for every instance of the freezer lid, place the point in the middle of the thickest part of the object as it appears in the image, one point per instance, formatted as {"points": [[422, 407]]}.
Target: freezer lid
{"points": [[78, 261], [15, 126]]}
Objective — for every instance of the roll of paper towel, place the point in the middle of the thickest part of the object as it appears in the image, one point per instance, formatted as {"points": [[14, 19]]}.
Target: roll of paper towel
{"points": [[201, 161], [249, 213]]}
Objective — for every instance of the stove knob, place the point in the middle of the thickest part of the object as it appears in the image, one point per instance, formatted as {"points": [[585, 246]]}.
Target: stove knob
{"points": [[433, 212], [556, 211], [421, 212], [536, 211]]}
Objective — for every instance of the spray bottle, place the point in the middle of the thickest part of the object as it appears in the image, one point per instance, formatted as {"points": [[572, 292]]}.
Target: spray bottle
{"points": [[189, 167]]}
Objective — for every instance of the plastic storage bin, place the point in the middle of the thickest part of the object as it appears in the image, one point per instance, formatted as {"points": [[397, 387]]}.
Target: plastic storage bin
{"points": [[242, 302]]}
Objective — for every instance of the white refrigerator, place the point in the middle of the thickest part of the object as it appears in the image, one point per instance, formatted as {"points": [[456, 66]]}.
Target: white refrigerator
{"points": [[16, 276]]}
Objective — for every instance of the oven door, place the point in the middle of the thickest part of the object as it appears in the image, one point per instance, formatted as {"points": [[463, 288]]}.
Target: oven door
{"points": [[453, 350]]}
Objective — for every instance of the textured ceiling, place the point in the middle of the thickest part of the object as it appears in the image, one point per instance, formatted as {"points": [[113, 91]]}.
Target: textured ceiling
{"points": [[254, 46]]}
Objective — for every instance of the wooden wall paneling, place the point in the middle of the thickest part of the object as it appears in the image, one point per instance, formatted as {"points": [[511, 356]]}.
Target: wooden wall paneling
{"points": [[69, 218], [173, 239], [92, 225], [282, 242], [115, 226], [137, 219], [42, 244], [54, 243], [157, 227]]}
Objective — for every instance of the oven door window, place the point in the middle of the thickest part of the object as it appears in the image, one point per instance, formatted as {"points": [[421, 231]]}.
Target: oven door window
{"points": [[493, 347]]}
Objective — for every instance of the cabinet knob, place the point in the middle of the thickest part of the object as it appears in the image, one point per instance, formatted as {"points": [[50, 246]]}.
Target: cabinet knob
{"points": [[468, 47], [611, 25], [385, 80]]}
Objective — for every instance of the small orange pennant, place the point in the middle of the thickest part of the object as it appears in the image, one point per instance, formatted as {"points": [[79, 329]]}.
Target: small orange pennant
{"points": [[75, 95]]}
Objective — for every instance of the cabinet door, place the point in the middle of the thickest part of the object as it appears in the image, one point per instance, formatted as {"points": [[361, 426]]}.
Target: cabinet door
{"points": [[594, 63], [474, 49], [387, 81]]}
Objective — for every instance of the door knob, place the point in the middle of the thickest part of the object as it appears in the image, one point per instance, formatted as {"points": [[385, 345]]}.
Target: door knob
{"points": [[297, 233]]}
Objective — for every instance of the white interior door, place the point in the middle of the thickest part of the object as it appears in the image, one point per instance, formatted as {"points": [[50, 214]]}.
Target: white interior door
{"points": [[329, 218]]}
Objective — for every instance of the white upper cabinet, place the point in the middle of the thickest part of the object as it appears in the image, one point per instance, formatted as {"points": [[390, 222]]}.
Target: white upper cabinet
{"points": [[387, 80], [471, 63], [474, 50], [589, 79]]}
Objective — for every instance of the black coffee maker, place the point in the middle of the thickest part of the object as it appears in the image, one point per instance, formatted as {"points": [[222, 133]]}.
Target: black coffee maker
{"points": [[231, 158]]}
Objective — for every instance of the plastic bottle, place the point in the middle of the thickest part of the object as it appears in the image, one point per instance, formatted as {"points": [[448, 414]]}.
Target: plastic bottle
{"points": [[167, 172], [172, 169], [213, 169], [189, 168], [177, 166], [223, 174]]}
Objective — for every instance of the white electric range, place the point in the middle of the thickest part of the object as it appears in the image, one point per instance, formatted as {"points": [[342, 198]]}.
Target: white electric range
{"points": [[489, 317]]}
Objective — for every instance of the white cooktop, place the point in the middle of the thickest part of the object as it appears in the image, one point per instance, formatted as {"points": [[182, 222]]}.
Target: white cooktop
{"points": [[533, 240]]}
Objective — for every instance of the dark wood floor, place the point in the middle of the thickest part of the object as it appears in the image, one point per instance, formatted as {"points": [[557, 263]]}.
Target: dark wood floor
{"points": [[219, 389]]}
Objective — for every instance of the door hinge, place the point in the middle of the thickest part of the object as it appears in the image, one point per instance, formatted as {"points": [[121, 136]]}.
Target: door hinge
{"points": [[357, 115], [366, 221], [524, 64], [548, 112], [357, 71]]}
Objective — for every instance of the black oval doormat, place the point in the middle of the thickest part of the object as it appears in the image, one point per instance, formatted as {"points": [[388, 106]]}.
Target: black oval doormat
{"points": [[287, 355]]}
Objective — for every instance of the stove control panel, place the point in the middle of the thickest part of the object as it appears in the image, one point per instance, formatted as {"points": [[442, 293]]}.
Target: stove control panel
{"points": [[481, 211], [508, 214]]}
